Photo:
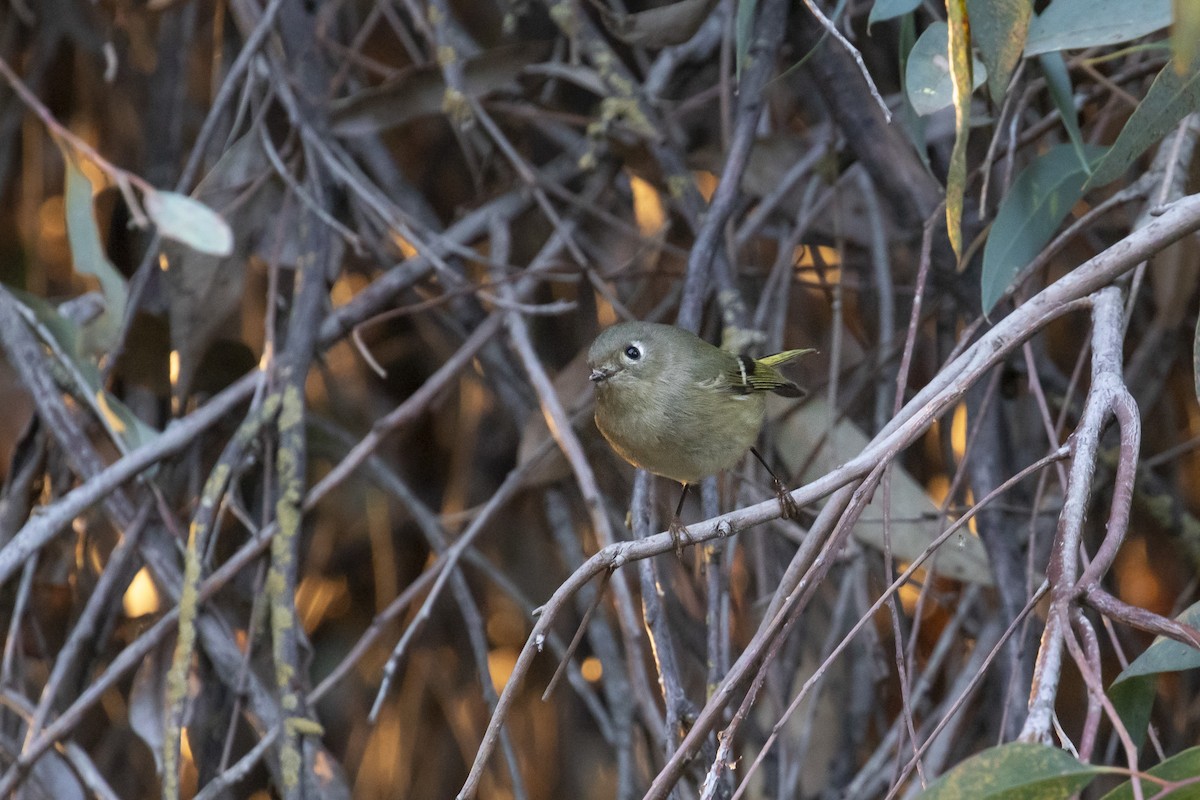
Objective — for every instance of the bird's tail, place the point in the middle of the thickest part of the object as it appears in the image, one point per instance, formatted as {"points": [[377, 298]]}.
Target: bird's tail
{"points": [[767, 376]]}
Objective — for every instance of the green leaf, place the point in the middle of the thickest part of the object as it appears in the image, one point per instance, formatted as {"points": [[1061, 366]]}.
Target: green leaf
{"points": [[65, 331], [1171, 98], [1166, 655], [1076, 24], [189, 221], [1017, 771], [121, 422], [1054, 67], [1038, 201], [1133, 700], [743, 29], [914, 125], [927, 74], [998, 29], [1178, 767], [890, 9], [961, 61], [1185, 35], [89, 258]]}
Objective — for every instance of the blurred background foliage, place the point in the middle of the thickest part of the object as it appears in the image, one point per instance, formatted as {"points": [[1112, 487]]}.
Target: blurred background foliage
{"points": [[423, 215]]}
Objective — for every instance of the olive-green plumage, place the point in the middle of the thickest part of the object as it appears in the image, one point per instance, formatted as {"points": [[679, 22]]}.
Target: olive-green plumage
{"points": [[671, 403]]}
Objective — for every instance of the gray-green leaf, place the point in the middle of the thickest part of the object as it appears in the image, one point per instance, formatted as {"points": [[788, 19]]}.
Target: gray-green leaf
{"points": [[89, 258], [890, 9], [1038, 201], [1166, 655], [1076, 24], [1178, 767], [190, 222], [1171, 98], [998, 29], [1017, 771], [927, 75]]}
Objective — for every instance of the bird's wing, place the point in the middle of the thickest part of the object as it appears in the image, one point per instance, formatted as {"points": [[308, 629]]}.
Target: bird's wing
{"points": [[746, 374]]}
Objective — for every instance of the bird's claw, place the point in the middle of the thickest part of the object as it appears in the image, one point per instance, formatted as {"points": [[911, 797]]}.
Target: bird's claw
{"points": [[787, 506], [679, 533]]}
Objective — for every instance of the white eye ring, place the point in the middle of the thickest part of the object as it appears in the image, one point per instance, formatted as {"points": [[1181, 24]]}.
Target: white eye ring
{"points": [[633, 352]]}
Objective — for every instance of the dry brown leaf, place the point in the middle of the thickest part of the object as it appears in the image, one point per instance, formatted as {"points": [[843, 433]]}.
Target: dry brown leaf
{"points": [[914, 518]]}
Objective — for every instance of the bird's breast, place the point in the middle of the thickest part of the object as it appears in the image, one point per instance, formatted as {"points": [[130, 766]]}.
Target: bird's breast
{"points": [[680, 431]]}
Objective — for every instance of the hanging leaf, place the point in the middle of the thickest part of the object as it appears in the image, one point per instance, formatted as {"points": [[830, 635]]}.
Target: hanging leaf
{"points": [[927, 72], [998, 29], [1032, 210], [1017, 771], [1054, 67], [959, 34], [914, 124], [1178, 767], [54, 776], [189, 221], [890, 9], [1185, 35], [1166, 655], [1133, 700], [1076, 24], [88, 256], [1171, 98], [146, 709], [743, 29], [808, 446]]}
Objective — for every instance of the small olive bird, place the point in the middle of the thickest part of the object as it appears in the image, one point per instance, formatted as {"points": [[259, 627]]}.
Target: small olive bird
{"points": [[673, 404]]}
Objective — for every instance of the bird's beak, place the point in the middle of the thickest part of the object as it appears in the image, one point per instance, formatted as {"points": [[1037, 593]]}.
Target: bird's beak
{"points": [[599, 375]]}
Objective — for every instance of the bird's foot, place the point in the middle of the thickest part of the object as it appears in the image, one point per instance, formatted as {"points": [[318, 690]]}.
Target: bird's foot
{"points": [[679, 533], [787, 506]]}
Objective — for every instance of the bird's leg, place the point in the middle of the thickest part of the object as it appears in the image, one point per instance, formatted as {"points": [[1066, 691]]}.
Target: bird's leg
{"points": [[787, 506], [677, 529]]}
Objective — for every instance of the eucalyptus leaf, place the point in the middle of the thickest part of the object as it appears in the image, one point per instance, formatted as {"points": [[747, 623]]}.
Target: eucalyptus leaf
{"points": [[88, 256], [998, 30], [1133, 700], [1178, 767], [961, 71], [890, 9], [1185, 35], [743, 29], [1054, 67], [927, 73], [914, 123], [1171, 98], [1016, 771], [1166, 655], [146, 710], [1076, 24], [1031, 212], [808, 446], [189, 222]]}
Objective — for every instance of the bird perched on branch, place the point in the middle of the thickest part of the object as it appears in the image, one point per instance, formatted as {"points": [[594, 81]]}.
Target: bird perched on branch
{"points": [[673, 404]]}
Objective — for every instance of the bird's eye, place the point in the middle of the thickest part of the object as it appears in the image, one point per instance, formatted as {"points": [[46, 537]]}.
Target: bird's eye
{"points": [[633, 352]]}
